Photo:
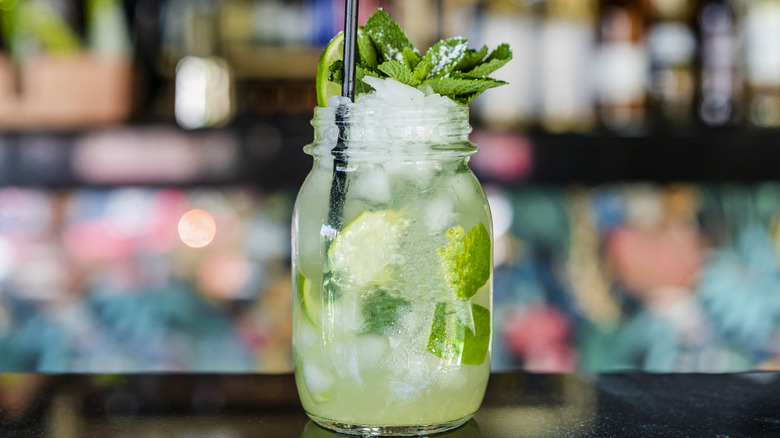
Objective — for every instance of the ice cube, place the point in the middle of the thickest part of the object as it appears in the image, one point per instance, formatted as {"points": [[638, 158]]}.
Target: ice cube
{"points": [[452, 378], [412, 377], [419, 175], [370, 349], [439, 214], [395, 93], [438, 101], [345, 316], [307, 336], [344, 357], [336, 101], [372, 185], [318, 381], [330, 135]]}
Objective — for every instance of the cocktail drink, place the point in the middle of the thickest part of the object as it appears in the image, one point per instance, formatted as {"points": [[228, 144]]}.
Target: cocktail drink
{"points": [[392, 264]]}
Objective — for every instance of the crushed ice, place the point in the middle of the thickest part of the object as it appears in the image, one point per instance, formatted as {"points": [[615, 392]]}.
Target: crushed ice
{"points": [[393, 120]]}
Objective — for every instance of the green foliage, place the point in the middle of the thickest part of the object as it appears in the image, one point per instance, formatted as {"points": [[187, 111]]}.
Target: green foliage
{"points": [[398, 71], [448, 68], [466, 261], [380, 310]]}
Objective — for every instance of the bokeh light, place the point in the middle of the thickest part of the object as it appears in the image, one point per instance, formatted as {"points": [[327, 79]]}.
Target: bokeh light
{"points": [[197, 228]]}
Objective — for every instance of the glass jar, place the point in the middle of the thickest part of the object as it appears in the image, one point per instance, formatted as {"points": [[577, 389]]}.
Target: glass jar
{"points": [[392, 273]]}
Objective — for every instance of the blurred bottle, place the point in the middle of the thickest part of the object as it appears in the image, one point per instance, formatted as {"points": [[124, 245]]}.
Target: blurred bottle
{"points": [[420, 20], [622, 67], [567, 44], [672, 48], [515, 23], [236, 24], [324, 20], [204, 82], [460, 17], [107, 31], [761, 33], [719, 78], [36, 27]]}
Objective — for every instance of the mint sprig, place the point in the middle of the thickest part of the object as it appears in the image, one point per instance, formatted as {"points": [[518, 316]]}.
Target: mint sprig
{"points": [[448, 68]]}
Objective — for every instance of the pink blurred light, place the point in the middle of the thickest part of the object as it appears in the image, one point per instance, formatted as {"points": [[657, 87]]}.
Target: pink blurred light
{"points": [[505, 157]]}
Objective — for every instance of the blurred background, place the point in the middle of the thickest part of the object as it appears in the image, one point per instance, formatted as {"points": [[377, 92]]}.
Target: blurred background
{"points": [[151, 150]]}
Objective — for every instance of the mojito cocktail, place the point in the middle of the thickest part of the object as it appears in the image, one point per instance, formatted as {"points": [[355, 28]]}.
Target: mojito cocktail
{"points": [[392, 292]]}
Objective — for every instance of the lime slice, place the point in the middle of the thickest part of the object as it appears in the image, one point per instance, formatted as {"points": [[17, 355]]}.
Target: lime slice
{"points": [[476, 343], [333, 52], [452, 340], [365, 253], [309, 302]]}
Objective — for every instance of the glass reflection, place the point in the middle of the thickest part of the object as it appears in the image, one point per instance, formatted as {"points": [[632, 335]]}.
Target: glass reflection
{"points": [[538, 405], [468, 430]]}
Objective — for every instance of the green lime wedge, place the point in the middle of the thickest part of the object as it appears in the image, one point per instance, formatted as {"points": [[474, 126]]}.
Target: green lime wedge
{"points": [[451, 339], [365, 253], [476, 343], [307, 299], [333, 52]]}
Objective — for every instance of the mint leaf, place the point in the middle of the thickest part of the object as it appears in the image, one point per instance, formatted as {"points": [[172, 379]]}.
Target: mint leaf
{"points": [[330, 290], [380, 311], [445, 55], [367, 51], [336, 72], [503, 51], [471, 59], [422, 69], [389, 39], [465, 262], [446, 338], [496, 60], [462, 86], [411, 58], [449, 68], [361, 72], [400, 72], [465, 99], [483, 70]]}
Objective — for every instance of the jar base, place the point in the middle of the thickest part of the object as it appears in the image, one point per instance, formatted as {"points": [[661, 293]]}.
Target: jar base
{"points": [[368, 430]]}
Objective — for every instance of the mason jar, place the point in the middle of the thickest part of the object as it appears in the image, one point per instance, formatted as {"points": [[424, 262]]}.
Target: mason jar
{"points": [[392, 272]]}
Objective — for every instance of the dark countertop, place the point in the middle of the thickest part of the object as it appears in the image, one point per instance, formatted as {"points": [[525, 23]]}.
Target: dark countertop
{"points": [[516, 405]]}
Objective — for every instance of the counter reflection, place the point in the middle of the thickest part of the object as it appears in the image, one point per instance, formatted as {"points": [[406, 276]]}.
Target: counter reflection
{"points": [[468, 430], [538, 406]]}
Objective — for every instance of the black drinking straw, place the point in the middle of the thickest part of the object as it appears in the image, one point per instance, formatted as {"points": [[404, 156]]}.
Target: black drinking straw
{"points": [[338, 187]]}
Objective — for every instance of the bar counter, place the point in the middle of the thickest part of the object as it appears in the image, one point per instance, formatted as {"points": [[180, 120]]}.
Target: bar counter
{"points": [[517, 404]]}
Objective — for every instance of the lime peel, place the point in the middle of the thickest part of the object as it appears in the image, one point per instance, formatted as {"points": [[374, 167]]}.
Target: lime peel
{"points": [[333, 52], [451, 338], [476, 343], [306, 299]]}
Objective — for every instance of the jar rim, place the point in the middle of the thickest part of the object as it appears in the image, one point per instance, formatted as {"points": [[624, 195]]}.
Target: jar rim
{"points": [[351, 109], [363, 131]]}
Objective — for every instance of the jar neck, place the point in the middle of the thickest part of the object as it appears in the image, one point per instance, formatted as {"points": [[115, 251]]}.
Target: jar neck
{"points": [[358, 132]]}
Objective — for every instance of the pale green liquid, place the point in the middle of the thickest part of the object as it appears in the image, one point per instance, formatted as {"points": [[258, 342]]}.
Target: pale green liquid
{"points": [[349, 375]]}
